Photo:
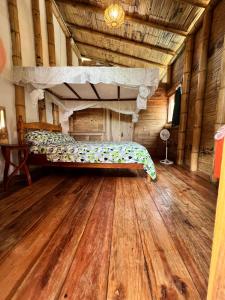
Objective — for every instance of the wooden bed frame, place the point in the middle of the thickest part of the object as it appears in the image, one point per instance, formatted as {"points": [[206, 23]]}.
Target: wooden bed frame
{"points": [[41, 160]]}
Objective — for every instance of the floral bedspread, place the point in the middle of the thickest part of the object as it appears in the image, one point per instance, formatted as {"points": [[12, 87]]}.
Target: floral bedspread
{"points": [[98, 152]]}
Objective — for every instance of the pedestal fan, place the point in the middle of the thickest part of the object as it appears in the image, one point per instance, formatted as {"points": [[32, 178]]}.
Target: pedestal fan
{"points": [[164, 135]]}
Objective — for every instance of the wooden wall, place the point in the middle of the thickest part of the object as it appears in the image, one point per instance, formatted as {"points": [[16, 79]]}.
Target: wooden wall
{"points": [[98, 124], [212, 88], [177, 69], [216, 40], [176, 79], [151, 121], [89, 124], [192, 98]]}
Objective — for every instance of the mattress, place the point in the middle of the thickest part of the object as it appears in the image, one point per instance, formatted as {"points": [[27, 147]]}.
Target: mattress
{"points": [[97, 152]]}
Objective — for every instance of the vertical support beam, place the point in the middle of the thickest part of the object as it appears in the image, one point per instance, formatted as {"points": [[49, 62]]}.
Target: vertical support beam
{"points": [[50, 30], [216, 285], [55, 114], [69, 51], [220, 105], [16, 57], [184, 99], [37, 32], [42, 111], [71, 124], [169, 76], [202, 73]]}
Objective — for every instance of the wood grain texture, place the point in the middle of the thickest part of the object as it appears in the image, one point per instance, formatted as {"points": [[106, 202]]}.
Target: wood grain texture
{"points": [[128, 278], [216, 289], [108, 235], [91, 263]]}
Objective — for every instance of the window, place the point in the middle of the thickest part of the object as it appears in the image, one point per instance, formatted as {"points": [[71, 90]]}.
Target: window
{"points": [[171, 108]]}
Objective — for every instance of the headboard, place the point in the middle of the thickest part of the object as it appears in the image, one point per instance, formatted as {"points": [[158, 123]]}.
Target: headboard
{"points": [[23, 127]]}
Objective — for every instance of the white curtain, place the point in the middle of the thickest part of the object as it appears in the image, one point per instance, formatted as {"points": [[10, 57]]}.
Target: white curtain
{"points": [[38, 78]]}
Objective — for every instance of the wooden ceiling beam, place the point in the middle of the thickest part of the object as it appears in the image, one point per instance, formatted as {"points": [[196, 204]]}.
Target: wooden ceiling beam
{"points": [[112, 99], [95, 91], [198, 3], [108, 35], [105, 62], [72, 90], [121, 54], [54, 94], [138, 20]]}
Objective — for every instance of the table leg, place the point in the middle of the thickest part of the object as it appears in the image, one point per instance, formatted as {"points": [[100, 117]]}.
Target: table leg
{"points": [[27, 172], [6, 155]]}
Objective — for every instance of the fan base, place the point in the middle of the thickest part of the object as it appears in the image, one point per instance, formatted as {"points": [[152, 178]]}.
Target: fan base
{"points": [[166, 162]]}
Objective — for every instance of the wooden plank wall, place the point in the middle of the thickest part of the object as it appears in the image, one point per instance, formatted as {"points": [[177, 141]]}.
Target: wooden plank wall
{"points": [[89, 124], [192, 98], [177, 70], [211, 94], [212, 88], [151, 121], [176, 78], [97, 124]]}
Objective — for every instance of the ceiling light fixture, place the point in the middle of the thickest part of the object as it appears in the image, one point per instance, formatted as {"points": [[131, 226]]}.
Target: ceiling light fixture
{"points": [[114, 16]]}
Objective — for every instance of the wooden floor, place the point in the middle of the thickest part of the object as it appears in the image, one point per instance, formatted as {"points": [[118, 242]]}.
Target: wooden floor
{"points": [[107, 235]]}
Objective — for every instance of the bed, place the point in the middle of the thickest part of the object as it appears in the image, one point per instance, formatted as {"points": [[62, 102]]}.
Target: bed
{"points": [[50, 147]]}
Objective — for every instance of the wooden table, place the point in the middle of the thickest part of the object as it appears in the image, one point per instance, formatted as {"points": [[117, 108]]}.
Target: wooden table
{"points": [[23, 152]]}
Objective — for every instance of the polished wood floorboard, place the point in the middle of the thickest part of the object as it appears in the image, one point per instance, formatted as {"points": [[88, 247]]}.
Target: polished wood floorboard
{"points": [[107, 234]]}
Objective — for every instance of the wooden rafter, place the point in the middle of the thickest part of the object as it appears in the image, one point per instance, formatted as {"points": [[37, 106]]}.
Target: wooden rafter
{"points": [[138, 20], [63, 26], [59, 97], [130, 42], [111, 99], [54, 94], [95, 91], [122, 55], [105, 62], [72, 90], [197, 3]]}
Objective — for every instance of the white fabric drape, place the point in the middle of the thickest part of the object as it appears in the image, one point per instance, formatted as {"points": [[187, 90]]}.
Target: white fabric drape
{"points": [[39, 78], [123, 107]]}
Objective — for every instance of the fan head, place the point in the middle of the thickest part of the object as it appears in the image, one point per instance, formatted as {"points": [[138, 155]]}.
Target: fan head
{"points": [[164, 134]]}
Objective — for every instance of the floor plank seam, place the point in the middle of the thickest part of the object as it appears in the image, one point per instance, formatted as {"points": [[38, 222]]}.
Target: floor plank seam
{"points": [[171, 236], [36, 260], [109, 261], [61, 287], [142, 248]]}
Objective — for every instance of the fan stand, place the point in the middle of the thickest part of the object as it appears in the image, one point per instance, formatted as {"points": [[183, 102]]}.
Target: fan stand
{"points": [[166, 161]]}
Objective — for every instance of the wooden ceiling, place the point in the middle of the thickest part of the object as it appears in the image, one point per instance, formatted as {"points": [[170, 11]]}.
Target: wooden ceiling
{"points": [[151, 35]]}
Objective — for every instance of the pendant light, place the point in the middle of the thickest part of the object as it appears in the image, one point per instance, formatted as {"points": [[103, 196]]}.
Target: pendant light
{"points": [[114, 15]]}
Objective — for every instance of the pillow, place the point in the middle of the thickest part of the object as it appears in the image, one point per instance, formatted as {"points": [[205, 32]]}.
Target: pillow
{"points": [[38, 137]]}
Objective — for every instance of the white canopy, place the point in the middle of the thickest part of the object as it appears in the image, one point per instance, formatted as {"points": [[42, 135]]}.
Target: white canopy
{"points": [[39, 78]]}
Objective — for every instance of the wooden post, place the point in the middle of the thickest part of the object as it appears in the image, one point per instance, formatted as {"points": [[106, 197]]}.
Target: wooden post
{"points": [[50, 30], [69, 51], [16, 57], [184, 99], [216, 287], [169, 76], [220, 105], [220, 109], [55, 114], [202, 72], [71, 124], [37, 32]]}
